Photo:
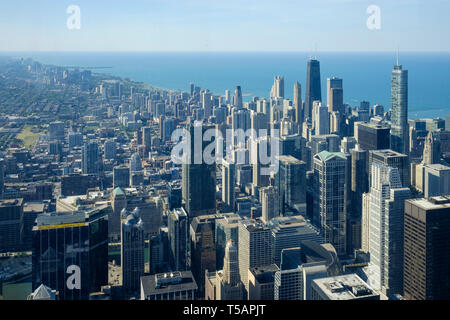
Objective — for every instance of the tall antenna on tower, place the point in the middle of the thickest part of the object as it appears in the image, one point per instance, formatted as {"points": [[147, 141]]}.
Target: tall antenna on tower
{"points": [[398, 53]]}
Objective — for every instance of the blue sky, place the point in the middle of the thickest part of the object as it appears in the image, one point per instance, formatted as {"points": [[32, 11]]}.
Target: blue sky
{"points": [[231, 25]]}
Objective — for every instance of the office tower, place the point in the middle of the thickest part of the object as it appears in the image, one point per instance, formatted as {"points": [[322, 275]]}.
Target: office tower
{"points": [[240, 120], [110, 147], [192, 88], [147, 140], [392, 159], [360, 180], [399, 110], [132, 252], [206, 103], [202, 248], [436, 180], [386, 215], [291, 182], [335, 97], [447, 122], [258, 121], [174, 195], [2, 177], [298, 103], [373, 136], [135, 163], [178, 224], [169, 286], [75, 140], [313, 86], [229, 285], [228, 184], [290, 232], [427, 249], [118, 203], [11, 225], [254, 249], [293, 145], [330, 176], [226, 230], [270, 203], [56, 130], [322, 119], [70, 252], [90, 158], [365, 222], [431, 150], [121, 177], [261, 282], [277, 88], [345, 287], [199, 177], [238, 97]]}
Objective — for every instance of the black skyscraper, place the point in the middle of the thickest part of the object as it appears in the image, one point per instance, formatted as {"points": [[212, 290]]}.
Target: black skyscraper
{"points": [[313, 86]]}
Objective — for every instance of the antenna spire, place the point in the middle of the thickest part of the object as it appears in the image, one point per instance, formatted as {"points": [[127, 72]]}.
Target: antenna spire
{"points": [[398, 53]]}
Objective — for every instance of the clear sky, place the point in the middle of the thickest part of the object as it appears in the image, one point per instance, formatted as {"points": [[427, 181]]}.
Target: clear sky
{"points": [[224, 25]]}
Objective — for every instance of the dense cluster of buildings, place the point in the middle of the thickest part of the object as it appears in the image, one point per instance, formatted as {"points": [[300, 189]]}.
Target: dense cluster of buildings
{"points": [[355, 207]]}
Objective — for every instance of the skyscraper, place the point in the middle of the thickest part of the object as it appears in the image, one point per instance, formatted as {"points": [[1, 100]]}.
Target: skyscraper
{"points": [[335, 97], [177, 223], [199, 179], [254, 248], [386, 215], [238, 97], [121, 177], [228, 184], [330, 213], [202, 248], [399, 110], [132, 251], [278, 87], [427, 249], [90, 158], [270, 203], [291, 182], [313, 86], [70, 252], [297, 103]]}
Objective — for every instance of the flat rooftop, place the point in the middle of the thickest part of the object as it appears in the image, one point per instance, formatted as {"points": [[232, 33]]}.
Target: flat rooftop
{"points": [[185, 282], [345, 287], [433, 203]]}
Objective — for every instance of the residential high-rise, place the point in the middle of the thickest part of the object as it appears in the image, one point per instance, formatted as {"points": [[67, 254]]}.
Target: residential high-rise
{"points": [[427, 249], [386, 215], [298, 103], [90, 158], [254, 249], [132, 251], [399, 110], [330, 212], [228, 184], [178, 224], [70, 252], [313, 86], [110, 147], [278, 87]]}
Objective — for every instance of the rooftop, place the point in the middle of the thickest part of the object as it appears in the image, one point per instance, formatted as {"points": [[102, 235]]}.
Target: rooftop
{"points": [[168, 282], [345, 287]]}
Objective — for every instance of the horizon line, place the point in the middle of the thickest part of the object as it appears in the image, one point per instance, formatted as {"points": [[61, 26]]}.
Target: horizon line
{"points": [[218, 51]]}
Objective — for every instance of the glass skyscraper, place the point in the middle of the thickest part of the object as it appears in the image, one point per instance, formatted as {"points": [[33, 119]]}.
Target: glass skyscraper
{"points": [[313, 86], [399, 110]]}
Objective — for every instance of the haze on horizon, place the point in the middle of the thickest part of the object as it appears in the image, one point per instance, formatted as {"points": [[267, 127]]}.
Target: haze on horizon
{"points": [[233, 25]]}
